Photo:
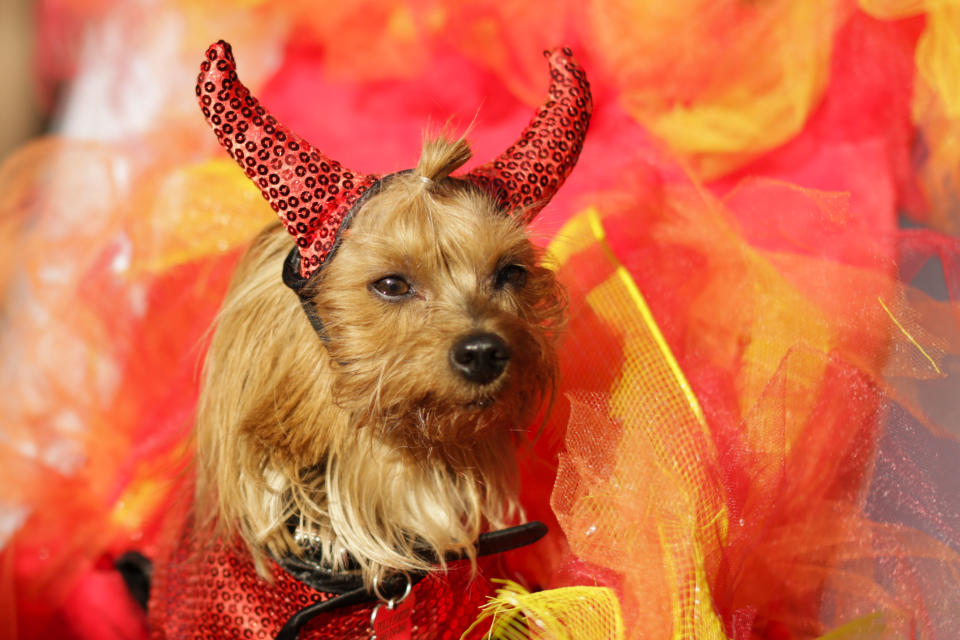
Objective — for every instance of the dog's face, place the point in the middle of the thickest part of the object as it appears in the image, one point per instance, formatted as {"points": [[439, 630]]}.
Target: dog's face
{"points": [[440, 321]]}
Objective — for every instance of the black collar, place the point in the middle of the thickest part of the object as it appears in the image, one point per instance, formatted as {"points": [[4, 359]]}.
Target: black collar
{"points": [[349, 584], [308, 570]]}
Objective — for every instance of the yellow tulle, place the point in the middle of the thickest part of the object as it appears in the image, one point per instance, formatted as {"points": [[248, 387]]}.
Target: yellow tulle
{"points": [[568, 613], [936, 110], [195, 211], [938, 56], [685, 519], [936, 99]]}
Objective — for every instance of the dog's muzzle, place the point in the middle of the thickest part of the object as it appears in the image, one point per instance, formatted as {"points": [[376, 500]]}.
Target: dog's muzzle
{"points": [[480, 358]]}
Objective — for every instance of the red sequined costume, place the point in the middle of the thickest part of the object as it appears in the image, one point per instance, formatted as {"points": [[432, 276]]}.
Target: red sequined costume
{"points": [[212, 591]]}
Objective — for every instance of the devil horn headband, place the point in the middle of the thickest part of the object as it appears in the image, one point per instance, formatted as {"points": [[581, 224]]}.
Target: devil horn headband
{"points": [[314, 194]]}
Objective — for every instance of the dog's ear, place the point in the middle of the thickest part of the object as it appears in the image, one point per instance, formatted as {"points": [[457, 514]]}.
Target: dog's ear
{"points": [[310, 191], [526, 176]]}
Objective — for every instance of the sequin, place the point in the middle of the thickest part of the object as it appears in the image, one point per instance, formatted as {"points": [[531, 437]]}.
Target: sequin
{"points": [[264, 147], [566, 116]]}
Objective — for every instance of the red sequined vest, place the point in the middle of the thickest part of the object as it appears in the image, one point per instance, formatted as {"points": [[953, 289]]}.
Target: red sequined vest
{"points": [[212, 591]]}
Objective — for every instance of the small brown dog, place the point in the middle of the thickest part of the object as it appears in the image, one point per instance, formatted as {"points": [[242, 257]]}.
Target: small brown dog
{"points": [[376, 432]]}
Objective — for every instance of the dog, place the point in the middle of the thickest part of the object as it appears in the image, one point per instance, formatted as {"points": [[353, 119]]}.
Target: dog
{"points": [[359, 414]]}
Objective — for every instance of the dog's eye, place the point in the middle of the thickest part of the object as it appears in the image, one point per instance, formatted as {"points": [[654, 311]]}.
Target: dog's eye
{"points": [[512, 274], [391, 287]]}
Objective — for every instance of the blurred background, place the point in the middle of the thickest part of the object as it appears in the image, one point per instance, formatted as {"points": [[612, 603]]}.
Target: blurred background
{"points": [[20, 110]]}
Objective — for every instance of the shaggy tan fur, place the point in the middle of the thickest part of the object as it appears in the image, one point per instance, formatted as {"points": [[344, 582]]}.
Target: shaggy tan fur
{"points": [[372, 442]]}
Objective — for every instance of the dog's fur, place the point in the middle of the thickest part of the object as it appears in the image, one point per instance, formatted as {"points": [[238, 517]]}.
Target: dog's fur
{"points": [[371, 441]]}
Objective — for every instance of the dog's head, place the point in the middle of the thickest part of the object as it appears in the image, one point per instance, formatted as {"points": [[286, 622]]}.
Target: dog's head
{"points": [[436, 311]]}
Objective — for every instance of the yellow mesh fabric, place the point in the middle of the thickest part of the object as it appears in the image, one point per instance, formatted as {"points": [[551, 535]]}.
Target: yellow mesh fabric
{"points": [[194, 211], [749, 523], [664, 444], [936, 109], [936, 99]]}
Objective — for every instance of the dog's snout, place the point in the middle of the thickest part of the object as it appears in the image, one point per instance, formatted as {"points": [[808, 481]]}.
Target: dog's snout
{"points": [[480, 358]]}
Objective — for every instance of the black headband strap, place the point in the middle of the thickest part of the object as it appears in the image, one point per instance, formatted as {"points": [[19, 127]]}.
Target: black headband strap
{"points": [[293, 279], [291, 265]]}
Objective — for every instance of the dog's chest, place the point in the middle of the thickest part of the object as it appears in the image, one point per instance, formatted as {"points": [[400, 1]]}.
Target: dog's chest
{"points": [[213, 592]]}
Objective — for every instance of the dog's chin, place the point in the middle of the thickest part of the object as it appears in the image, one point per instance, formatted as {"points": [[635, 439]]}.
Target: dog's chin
{"points": [[463, 420]]}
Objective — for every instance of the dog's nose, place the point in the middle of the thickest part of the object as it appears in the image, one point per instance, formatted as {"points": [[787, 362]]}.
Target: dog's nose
{"points": [[480, 358]]}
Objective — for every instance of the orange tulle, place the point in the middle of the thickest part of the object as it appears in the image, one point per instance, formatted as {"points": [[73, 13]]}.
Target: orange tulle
{"points": [[740, 500], [719, 82], [104, 325]]}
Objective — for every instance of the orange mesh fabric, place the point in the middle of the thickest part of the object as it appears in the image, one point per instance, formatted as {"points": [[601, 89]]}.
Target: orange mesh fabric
{"points": [[103, 325], [744, 501]]}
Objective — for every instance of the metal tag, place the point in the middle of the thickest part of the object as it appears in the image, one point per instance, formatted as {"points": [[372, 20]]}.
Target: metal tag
{"points": [[393, 620]]}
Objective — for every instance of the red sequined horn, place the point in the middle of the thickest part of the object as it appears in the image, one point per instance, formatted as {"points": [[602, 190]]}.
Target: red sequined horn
{"points": [[309, 191], [313, 193], [529, 173]]}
